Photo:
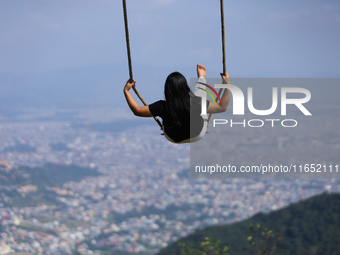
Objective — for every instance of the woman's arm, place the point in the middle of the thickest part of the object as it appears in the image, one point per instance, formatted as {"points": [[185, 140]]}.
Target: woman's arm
{"points": [[217, 108], [143, 111]]}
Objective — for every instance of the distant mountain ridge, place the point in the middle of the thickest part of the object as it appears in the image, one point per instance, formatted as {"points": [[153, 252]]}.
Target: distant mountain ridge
{"points": [[309, 227], [81, 87], [68, 88]]}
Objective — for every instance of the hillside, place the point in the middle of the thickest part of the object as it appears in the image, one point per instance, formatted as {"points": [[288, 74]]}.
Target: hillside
{"points": [[310, 227], [25, 186]]}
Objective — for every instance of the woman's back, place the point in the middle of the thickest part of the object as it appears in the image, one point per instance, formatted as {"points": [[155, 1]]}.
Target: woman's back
{"points": [[190, 125]]}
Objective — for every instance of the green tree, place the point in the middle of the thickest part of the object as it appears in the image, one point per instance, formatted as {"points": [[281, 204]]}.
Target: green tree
{"points": [[263, 241], [207, 247]]}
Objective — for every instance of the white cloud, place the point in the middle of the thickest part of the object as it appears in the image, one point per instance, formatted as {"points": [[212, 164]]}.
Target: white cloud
{"points": [[43, 20], [204, 53], [165, 2], [289, 16], [329, 7]]}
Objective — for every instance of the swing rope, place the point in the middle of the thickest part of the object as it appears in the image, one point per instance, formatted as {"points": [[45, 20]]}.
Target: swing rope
{"points": [[223, 38], [129, 59], [223, 49]]}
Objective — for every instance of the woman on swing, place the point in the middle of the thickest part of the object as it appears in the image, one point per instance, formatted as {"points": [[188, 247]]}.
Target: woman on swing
{"points": [[181, 110]]}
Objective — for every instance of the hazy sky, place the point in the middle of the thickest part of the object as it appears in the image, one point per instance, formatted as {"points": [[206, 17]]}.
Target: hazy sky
{"points": [[292, 38]]}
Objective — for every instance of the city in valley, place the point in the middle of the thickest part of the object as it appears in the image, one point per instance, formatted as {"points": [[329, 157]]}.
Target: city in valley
{"points": [[139, 196]]}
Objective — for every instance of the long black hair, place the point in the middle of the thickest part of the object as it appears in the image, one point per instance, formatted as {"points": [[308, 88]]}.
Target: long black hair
{"points": [[177, 96]]}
